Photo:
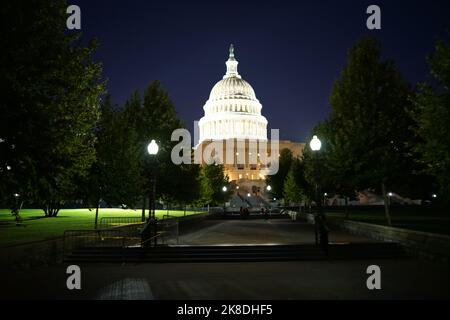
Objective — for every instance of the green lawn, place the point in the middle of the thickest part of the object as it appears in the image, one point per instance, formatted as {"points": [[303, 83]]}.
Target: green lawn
{"points": [[37, 227], [419, 219]]}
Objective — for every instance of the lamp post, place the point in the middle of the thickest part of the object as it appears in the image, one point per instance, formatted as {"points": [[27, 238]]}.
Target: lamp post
{"points": [[152, 150], [315, 146], [224, 190], [390, 194], [319, 225]]}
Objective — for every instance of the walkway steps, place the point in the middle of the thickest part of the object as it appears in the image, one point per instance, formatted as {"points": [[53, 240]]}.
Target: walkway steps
{"points": [[235, 253]]}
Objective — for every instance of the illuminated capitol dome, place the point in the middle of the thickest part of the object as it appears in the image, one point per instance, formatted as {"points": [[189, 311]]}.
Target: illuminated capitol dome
{"points": [[232, 110], [233, 114]]}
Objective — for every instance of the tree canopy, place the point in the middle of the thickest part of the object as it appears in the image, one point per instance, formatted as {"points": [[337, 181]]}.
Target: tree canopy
{"points": [[431, 114], [48, 116]]}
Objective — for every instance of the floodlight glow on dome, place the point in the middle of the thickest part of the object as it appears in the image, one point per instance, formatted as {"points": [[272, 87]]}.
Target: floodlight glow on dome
{"points": [[232, 110]]}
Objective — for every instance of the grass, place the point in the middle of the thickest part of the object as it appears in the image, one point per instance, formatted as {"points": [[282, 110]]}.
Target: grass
{"points": [[434, 220], [36, 226]]}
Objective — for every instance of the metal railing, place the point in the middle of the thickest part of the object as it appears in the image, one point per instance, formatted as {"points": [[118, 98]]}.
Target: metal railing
{"points": [[106, 238], [112, 222], [169, 229], [118, 232]]}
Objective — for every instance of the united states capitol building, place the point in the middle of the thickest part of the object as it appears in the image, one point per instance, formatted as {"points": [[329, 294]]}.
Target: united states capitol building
{"points": [[233, 115]]}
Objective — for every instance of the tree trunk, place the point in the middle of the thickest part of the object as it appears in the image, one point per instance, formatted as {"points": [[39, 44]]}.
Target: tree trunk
{"points": [[143, 208], [386, 205], [51, 209], [346, 208], [96, 215]]}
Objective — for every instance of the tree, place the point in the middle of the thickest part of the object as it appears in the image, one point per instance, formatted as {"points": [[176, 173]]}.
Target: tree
{"points": [[187, 184], [334, 169], [49, 113], [212, 181], [115, 175], [431, 114], [370, 121], [296, 189], [154, 117], [276, 181]]}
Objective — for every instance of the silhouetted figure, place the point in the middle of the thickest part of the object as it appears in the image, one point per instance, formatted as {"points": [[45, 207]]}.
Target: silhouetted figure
{"points": [[266, 213], [321, 231], [246, 213]]}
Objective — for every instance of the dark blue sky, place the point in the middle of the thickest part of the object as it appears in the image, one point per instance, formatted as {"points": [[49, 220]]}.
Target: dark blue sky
{"points": [[289, 51]]}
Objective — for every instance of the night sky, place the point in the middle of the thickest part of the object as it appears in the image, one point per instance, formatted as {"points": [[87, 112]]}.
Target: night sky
{"points": [[290, 52]]}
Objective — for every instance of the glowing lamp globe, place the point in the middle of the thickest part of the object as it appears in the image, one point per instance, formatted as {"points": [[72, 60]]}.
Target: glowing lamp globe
{"points": [[152, 148], [224, 189], [315, 144]]}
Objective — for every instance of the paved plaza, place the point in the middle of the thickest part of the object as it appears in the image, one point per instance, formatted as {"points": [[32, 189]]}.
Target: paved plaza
{"points": [[400, 279], [403, 278], [260, 231]]}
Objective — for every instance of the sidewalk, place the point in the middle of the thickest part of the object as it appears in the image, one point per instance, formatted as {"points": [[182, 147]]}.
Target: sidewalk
{"points": [[279, 231]]}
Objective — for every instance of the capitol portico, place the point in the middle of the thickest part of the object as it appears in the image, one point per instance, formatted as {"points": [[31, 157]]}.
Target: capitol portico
{"points": [[233, 114]]}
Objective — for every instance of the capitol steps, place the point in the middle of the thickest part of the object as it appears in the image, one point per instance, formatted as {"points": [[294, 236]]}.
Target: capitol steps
{"points": [[235, 253]]}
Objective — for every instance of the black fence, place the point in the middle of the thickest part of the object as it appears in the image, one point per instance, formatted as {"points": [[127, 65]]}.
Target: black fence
{"points": [[121, 232], [102, 238], [114, 222], [168, 229]]}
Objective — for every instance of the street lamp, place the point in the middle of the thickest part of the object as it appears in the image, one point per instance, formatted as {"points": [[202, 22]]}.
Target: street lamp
{"points": [[315, 144], [320, 229], [152, 150], [224, 189], [269, 188]]}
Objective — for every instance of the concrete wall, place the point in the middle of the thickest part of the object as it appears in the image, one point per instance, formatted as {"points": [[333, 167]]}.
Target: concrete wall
{"points": [[421, 244]]}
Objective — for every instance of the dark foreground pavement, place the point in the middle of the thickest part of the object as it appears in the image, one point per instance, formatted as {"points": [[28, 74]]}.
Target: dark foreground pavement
{"points": [[403, 278], [400, 279]]}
